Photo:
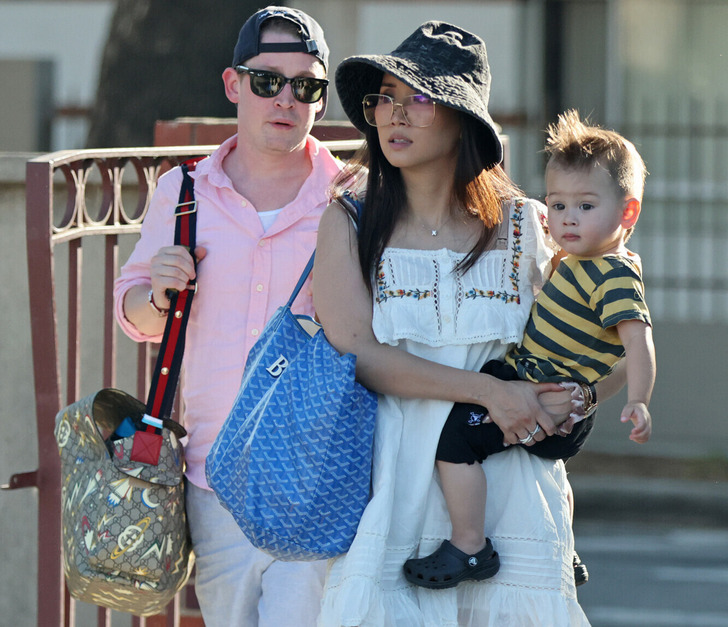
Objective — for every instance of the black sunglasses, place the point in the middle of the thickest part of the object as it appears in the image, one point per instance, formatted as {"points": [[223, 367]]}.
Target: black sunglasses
{"points": [[268, 84]]}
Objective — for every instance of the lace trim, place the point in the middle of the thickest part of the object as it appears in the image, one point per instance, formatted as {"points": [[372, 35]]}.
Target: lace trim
{"points": [[436, 295], [459, 294]]}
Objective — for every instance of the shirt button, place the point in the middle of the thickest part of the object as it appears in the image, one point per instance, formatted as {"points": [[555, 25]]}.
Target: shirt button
{"points": [[254, 332], [244, 203], [447, 319], [259, 287], [262, 242]]}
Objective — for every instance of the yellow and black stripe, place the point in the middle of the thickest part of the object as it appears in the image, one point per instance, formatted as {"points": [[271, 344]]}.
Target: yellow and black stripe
{"points": [[572, 332]]}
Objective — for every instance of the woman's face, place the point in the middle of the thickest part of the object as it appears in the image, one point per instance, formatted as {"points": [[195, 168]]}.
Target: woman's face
{"points": [[406, 146]]}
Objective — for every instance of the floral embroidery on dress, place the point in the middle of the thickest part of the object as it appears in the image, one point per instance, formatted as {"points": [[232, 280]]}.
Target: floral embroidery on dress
{"points": [[384, 292], [544, 221], [516, 219]]}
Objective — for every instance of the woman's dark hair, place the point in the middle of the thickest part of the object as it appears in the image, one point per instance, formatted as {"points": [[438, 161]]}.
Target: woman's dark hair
{"points": [[476, 191]]}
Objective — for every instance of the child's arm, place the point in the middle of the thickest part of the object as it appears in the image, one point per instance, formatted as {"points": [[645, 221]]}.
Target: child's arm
{"points": [[636, 337]]}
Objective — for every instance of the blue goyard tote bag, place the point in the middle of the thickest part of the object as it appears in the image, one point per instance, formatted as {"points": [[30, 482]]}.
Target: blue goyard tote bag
{"points": [[292, 462]]}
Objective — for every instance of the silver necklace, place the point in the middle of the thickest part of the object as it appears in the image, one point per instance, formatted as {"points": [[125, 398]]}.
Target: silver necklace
{"points": [[434, 232]]}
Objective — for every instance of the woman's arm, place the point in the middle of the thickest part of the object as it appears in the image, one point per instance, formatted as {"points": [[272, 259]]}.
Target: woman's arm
{"points": [[344, 307]]}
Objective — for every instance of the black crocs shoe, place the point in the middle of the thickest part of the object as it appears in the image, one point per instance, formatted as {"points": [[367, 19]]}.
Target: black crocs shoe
{"points": [[581, 574], [448, 566]]}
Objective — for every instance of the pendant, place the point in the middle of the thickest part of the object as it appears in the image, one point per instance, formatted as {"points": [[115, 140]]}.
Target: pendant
{"points": [[434, 233]]}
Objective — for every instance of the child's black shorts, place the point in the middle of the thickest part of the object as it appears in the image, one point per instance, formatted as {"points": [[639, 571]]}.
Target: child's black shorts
{"points": [[466, 438]]}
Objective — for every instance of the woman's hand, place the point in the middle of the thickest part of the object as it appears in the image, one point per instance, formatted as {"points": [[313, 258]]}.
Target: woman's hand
{"points": [[518, 410]]}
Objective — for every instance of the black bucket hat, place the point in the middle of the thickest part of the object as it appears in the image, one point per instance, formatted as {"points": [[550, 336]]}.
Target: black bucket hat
{"points": [[441, 61]]}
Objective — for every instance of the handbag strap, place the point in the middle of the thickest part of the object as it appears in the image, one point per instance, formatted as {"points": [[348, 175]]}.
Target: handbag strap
{"points": [[169, 360], [353, 205], [302, 280]]}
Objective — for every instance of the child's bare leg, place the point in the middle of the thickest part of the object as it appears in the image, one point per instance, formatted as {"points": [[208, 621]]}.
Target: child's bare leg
{"points": [[465, 489]]}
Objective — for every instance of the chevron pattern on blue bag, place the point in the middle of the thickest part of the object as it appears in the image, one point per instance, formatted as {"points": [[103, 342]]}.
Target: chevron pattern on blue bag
{"points": [[292, 462]]}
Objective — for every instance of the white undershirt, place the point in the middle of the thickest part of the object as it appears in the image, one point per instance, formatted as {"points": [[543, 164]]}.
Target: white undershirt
{"points": [[267, 218]]}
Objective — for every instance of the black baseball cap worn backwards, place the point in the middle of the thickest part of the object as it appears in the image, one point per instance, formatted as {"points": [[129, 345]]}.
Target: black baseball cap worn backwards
{"points": [[312, 39], [444, 62]]}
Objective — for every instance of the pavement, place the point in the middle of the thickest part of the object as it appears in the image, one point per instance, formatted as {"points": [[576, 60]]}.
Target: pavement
{"points": [[650, 490]]}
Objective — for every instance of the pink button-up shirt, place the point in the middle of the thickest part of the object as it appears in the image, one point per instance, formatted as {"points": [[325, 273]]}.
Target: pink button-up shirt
{"points": [[246, 275]]}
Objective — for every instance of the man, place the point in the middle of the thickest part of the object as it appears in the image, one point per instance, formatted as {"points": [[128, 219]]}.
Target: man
{"points": [[260, 196]]}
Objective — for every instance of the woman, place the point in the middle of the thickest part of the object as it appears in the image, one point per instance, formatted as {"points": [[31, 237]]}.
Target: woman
{"points": [[451, 257]]}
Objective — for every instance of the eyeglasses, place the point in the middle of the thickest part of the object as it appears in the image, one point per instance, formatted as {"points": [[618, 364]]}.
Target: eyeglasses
{"points": [[417, 110], [269, 84]]}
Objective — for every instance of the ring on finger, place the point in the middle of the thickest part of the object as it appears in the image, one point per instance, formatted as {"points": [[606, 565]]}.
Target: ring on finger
{"points": [[526, 440], [536, 430]]}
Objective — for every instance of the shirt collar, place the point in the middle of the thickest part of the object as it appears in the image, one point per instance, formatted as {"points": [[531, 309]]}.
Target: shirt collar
{"points": [[324, 167]]}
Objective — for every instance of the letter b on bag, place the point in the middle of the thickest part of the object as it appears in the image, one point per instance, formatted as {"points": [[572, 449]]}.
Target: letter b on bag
{"points": [[277, 368]]}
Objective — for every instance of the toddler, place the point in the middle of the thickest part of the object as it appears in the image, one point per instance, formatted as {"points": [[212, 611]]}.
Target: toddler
{"points": [[589, 315]]}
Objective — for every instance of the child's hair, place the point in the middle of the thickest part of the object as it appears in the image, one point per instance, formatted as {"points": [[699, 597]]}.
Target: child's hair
{"points": [[478, 190], [575, 144]]}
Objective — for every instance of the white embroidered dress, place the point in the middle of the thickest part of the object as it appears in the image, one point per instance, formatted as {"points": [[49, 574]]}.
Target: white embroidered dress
{"points": [[423, 307]]}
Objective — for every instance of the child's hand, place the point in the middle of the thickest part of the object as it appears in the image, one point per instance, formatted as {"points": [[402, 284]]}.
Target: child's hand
{"points": [[640, 416]]}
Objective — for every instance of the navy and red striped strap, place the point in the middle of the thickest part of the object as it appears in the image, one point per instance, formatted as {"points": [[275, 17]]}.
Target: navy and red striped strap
{"points": [[169, 361]]}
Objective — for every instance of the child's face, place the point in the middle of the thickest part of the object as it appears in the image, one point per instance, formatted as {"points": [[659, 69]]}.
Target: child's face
{"points": [[586, 211]]}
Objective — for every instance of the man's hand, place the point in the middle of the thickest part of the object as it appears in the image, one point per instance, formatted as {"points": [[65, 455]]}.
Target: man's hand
{"points": [[172, 268]]}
